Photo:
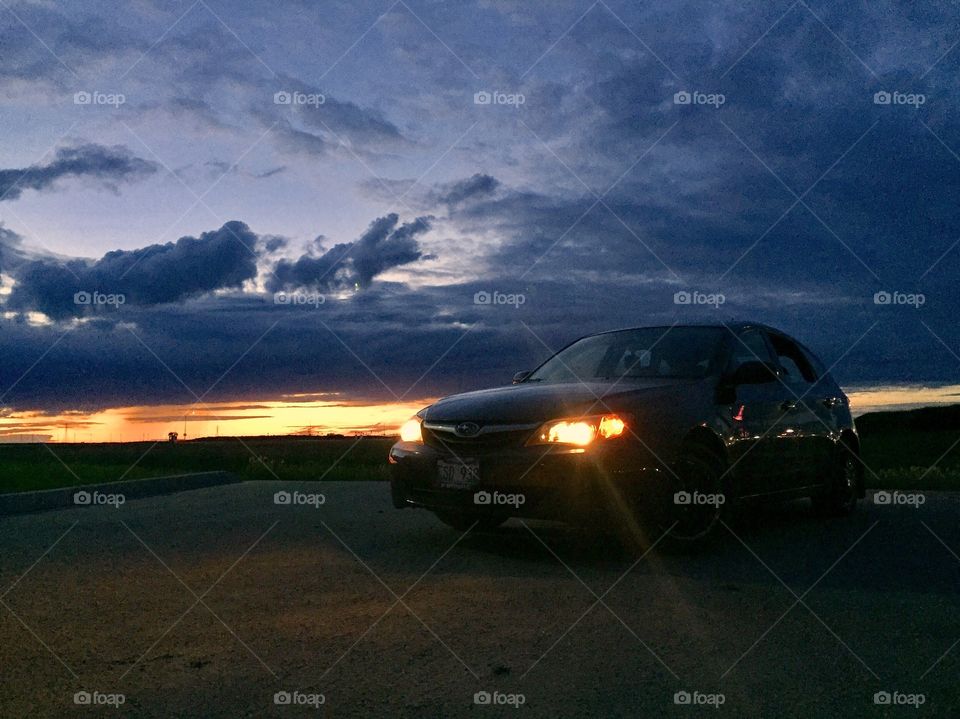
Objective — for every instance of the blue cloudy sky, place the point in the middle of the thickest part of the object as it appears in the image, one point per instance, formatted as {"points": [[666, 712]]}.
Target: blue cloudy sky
{"points": [[397, 158]]}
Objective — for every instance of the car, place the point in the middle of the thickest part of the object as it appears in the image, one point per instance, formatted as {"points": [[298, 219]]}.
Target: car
{"points": [[651, 432]]}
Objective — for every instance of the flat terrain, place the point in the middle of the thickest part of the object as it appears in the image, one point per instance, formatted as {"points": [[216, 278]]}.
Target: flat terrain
{"points": [[25, 467], [897, 449], [206, 603]]}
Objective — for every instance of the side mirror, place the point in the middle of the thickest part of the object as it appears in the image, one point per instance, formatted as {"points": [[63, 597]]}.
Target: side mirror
{"points": [[753, 373], [520, 376]]}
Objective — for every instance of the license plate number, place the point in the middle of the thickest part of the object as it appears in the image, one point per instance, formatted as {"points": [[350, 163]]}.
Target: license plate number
{"points": [[458, 474]]}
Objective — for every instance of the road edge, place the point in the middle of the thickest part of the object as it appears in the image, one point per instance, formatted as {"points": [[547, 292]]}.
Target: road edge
{"points": [[63, 497]]}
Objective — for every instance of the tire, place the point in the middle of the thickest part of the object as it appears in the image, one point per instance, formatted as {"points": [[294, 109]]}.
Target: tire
{"points": [[680, 527], [462, 521], [843, 491]]}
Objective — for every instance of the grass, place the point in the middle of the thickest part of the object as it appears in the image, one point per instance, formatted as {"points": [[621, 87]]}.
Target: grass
{"points": [[899, 448], [26, 467], [912, 459]]}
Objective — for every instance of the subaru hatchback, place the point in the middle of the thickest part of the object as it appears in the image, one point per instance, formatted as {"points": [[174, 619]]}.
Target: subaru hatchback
{"points": [[651, 432]]}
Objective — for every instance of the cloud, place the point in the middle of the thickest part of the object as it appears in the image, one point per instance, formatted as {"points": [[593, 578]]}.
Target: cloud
{"points": [[152, 275], [382, 247], [691, 190], [395, 335], [479, 185], [11, 252], [107, 165]]}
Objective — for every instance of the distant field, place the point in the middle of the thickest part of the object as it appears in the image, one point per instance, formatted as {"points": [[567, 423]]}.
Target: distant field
{"points": [[898, 447], [36, 466]]}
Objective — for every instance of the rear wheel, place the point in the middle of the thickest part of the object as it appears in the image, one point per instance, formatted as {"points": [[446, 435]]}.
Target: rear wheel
{"points": [[843, 489], [463, 521]]}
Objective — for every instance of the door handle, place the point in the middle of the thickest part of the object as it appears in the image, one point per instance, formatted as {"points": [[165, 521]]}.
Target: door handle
{"points": [[787, 405]]}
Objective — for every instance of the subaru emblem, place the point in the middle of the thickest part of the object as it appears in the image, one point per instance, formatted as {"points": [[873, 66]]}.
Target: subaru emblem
{"points": [[467, 429]]}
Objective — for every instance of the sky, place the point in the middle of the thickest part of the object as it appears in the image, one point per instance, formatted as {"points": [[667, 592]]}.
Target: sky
{"points": [[294, 211]]}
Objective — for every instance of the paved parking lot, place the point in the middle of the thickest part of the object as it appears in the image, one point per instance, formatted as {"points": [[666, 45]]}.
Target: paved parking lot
{"points": [[209, 603]]}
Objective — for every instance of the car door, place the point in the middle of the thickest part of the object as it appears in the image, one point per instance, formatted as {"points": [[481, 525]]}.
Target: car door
{"points": [[804, 424], [758, 449]]}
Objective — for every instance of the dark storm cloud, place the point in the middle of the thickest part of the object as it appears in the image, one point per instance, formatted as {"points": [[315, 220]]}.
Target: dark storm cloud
{"points": [[71, 45], [382, 344], [348, 264], [688, 190], [151, 275], [10, 248], [107, 165], [276, 101], [694, 198], [479, 185]]}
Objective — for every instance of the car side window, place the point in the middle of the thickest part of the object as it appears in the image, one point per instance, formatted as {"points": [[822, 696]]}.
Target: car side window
{"points": [[633, 360], [793, 361], [749, 346], [818, 369]]}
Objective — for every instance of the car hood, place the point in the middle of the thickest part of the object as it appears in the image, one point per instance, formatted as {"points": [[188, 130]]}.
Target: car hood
{"points": [[535, 402]]}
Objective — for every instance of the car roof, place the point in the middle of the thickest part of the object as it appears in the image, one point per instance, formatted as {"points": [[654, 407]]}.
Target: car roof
{"points": [[735, 325]]}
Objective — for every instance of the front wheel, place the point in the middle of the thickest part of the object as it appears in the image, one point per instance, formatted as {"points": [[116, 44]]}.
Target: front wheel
{"points": [[842, 492], [693, 500]]}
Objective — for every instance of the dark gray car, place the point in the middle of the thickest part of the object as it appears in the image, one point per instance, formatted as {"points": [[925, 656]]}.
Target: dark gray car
{"points": [[644, 431]]}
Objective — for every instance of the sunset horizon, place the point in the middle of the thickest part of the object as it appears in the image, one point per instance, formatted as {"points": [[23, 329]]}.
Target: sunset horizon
{"points": [[317, 418]]}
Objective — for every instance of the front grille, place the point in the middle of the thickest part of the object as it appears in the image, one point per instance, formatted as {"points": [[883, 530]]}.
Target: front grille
{"points": [[490, 438]]}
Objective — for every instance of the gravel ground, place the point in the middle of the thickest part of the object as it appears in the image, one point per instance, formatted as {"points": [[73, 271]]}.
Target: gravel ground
{"points": [[208, 603]]}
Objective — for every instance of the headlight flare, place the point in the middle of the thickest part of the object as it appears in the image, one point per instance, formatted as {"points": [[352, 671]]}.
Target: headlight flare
{"points": [[579, 432], [411, 431], [611, 426]]}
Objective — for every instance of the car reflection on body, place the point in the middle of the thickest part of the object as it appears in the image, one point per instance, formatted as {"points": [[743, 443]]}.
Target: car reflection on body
{"points": [[646, 431]]}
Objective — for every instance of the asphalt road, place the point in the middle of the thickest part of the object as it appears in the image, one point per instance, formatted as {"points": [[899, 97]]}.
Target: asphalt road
{"points": [[208, 603]]}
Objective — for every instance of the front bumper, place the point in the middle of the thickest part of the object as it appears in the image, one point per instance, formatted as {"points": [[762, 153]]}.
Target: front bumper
{"points": [[542, 482]]}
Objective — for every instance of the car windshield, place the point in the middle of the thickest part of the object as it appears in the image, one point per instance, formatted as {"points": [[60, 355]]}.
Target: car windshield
{"points": [[687, 352]]}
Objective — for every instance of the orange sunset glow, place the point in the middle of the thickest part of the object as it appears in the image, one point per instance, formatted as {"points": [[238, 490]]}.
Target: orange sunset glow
{"points": [[316, 414], [294, 415]]}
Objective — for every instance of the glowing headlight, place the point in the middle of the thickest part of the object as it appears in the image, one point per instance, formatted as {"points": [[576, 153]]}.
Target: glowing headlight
{"points": [[410, 431], [580, 431]]}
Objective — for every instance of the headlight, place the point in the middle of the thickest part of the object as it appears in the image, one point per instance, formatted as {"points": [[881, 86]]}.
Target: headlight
{"points": [[410, 431], [579, 431]]}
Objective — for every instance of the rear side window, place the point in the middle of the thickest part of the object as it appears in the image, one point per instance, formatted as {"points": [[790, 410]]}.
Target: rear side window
{"points": [[749, 346], [818, 368], [793, 361]]}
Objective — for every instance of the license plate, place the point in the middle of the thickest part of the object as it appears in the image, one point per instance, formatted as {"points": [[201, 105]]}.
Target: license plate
{"points": [[458, 474]]}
